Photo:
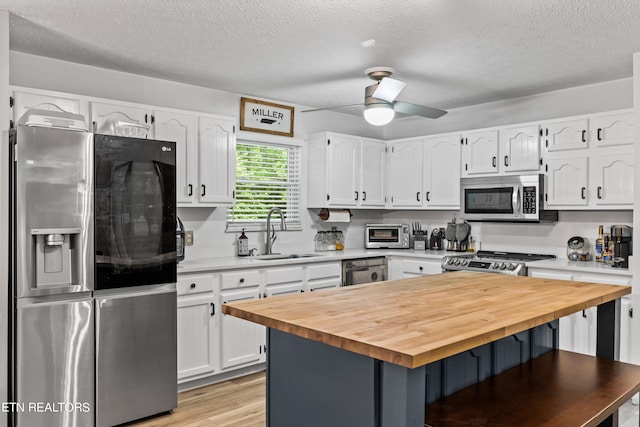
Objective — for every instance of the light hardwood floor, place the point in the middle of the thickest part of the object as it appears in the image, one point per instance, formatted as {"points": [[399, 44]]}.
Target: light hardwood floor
{"points": [[235, 403], [241, 403]]}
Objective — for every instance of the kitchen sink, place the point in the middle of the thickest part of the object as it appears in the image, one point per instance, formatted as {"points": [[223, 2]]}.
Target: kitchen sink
{"points": [[285, 256]]}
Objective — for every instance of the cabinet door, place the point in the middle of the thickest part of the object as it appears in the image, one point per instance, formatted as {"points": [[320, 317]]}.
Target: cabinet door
{"points": [[613, 129], [240, 340], [613, 179], [560, 135], [373, 177], [520, 148], [585, 330], [217, 161], [405, 173], [197, 335], [102, 114], [25, 101], [567, 182], [343, 174], [480, 153], [180, 128], [323, 276], [441, 172], [281, 281]]}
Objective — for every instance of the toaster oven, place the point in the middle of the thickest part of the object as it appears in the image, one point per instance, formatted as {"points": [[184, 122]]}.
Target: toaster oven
{"points": [[386, 236]]}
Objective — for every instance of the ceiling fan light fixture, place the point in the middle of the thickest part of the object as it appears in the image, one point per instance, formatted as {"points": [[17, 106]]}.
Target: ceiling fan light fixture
{"points": [[379, 114]]}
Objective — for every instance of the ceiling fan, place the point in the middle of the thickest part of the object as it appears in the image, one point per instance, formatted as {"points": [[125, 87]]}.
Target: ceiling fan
{"points": [[380, 105]]}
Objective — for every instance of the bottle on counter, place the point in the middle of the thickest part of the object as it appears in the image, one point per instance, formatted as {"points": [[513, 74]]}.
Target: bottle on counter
{"points": [[331, 239], [599, 244], [243, 244], [607, 250], [339, 240], [321, 241]]}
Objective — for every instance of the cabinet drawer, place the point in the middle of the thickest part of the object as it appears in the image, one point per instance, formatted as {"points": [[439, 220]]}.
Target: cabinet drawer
{"points": [[283, 275], [190, 285], [323, 271], [421, 267], [241, 279]]}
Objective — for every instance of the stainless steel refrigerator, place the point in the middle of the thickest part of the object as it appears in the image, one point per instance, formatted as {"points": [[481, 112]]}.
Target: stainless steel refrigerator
{"points": [[92, 286]]}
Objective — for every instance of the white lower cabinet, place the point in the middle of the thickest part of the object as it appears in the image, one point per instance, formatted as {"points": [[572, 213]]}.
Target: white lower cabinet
{"points": [[212, 343], [403, 268], [197, 336], [578, 331], [197, 327], [241, 341]]}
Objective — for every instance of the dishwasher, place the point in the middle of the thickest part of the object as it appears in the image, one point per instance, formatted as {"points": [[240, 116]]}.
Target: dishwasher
{"points": [[364, 270]]}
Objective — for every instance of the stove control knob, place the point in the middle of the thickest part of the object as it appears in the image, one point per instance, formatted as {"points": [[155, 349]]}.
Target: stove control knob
{"points": [[465, 262], [503, 266], [450, 261], [457, 261], [512, 267], [493, 266]]}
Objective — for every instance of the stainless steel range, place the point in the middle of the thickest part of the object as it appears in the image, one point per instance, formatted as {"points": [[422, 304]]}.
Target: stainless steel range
{"points": [[512, 263]]}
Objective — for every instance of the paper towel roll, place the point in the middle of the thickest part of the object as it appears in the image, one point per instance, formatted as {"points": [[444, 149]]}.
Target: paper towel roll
{"points": [[335, 215]]}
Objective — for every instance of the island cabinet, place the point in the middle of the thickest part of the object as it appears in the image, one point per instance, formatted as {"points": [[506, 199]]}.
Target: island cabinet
{"points": [[589, 161], [396, 354], [346, 171]]}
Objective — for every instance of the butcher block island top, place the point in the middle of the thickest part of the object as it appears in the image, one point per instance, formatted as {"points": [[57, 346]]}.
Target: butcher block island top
{"points": [[416, 321]]}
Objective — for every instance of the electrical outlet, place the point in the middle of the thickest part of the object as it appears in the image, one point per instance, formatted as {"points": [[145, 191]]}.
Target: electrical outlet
{"points": [[188, 238]]}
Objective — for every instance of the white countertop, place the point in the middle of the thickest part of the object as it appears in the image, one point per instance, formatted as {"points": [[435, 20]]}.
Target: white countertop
{"points": [[581, 266], [230, 263]]}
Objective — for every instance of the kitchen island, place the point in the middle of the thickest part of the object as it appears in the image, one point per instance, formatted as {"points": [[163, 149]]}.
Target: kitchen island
{"points": [[374, 355]]}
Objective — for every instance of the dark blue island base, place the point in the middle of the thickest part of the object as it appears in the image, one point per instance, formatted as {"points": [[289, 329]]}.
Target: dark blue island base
{"points": [[316, 385]]}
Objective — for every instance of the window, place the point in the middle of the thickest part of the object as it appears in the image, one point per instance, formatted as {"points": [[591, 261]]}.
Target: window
{"points": [[267, 176]]}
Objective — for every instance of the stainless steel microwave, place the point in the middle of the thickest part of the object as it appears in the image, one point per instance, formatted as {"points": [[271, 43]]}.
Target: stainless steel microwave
{"points": [[386, 236], [512, 198]]}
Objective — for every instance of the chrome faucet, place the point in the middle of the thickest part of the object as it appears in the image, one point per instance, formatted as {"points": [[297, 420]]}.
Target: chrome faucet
{"points": [[271, 233]]}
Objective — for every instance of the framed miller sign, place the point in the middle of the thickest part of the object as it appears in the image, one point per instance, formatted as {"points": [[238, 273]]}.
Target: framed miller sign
{"points": [[266, 117]]}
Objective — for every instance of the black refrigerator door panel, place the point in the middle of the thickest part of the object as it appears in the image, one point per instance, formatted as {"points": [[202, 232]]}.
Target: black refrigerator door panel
{"points": [[135, 212]]}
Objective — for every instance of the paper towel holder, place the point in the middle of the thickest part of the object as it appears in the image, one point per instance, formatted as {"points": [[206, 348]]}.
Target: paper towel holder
{"points": [[335, 215]]}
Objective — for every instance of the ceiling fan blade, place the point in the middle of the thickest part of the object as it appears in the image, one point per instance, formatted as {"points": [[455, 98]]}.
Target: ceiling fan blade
{"points": [[331, 108], [417, 110], [388, 89]]}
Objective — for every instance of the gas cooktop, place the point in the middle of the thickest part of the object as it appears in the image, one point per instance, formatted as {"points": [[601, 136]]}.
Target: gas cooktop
{"points": [[512, 263]]}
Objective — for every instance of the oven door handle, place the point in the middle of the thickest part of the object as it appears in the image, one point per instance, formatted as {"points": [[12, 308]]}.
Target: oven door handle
{"points": [[516, 202]]}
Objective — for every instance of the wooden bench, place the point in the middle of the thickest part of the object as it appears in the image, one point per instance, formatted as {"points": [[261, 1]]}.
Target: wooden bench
{"points": [[557, 389]]}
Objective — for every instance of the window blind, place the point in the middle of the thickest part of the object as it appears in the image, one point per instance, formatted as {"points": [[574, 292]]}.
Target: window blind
{"points": [[267, 176]]}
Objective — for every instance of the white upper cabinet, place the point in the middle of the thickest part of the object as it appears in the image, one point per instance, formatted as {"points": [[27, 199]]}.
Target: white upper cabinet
{"points": [[612, 178], [104, 114], [24, 101], [181, 128], [441, 172], [405, 173], [345, 171], [519, 148], [567, 182], [596, 175], [217, 160], [611, 129], [479, 153], [566, 134], [343, 159], [373, 173]]}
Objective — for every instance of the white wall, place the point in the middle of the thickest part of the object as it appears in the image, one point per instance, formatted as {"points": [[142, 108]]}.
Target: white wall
{"points": [[606, 96]]}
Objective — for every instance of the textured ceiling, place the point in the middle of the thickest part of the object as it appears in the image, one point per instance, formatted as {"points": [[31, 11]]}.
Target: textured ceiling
{"points": [[452, 53]]}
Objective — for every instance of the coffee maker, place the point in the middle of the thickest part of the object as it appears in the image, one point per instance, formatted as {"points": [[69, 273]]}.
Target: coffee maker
{"points": [[622, 245]]}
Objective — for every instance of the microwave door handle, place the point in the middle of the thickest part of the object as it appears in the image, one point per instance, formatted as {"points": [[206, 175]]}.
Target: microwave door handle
{"points": [[516, 202]]}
